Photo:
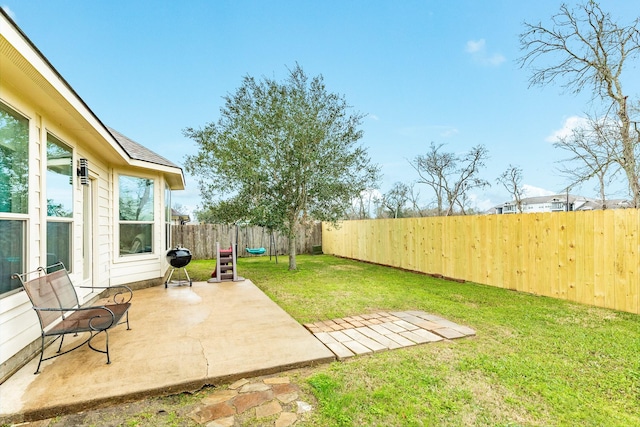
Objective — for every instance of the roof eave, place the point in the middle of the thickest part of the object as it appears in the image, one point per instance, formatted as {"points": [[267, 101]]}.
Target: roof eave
{"points": [[173, 175]]}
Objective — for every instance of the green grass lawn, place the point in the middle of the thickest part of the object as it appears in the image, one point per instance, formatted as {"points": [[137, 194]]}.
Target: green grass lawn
{"points": [[535, 361]]}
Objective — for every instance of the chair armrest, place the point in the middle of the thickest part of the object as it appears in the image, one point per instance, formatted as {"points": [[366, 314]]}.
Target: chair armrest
{"points": [[54, 309], [124, 292]]}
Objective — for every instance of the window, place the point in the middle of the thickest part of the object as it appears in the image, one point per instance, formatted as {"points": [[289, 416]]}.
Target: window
{"points": [[136, 215], [557, 205], [509, 208], [14, 190], [59, 201]]}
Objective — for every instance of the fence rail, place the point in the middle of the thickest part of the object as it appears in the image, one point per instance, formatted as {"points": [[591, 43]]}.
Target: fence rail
{"points": [[201, 239], [589, 257]]}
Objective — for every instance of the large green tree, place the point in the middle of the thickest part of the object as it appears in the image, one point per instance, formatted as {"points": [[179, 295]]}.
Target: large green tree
{"points": [[282, 154]]}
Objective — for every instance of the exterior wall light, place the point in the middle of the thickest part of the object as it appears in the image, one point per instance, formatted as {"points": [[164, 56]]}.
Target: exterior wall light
{"points": [[83, 171]]}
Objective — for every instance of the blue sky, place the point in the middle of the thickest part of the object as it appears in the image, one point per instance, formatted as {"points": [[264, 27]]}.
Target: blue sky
{"points": [[422, 71]]}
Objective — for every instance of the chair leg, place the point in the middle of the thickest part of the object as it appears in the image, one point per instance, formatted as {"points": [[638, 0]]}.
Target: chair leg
{"points": [[61, 341], [41, 355], [106, 333]]}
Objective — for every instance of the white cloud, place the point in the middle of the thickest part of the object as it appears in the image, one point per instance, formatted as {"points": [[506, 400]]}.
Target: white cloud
{"points": [[481, 204], [532, 191], [373, 117], [8, 11], [494, 60], [478, 51], [474, 46], [448, 132], [567, 128]]}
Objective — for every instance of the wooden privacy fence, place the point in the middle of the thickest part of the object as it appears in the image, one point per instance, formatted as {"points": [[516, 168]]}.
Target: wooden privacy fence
{"points": [[201, 239], [589, 257]]}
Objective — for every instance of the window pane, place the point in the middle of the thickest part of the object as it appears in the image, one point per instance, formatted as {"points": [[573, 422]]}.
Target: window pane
{"points": [[136, 199], [11, 253], [59, 179], [59, 243], [136, 238], [14, 161]]}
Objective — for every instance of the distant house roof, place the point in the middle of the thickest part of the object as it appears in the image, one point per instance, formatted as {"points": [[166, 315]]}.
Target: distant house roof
{"points": [[580, 203], [177, 216], [551, 198], [139, 152], [618, 204]]}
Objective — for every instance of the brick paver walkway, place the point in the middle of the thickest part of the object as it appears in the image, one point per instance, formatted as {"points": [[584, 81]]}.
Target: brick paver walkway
{"points": [[367, 333]]}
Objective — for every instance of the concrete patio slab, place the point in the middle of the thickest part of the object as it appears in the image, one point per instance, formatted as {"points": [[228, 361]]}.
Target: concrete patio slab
{"points": [[181, 339]]}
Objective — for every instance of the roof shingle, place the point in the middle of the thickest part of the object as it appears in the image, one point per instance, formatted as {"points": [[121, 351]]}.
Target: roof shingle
{"points": [[139, 152]]}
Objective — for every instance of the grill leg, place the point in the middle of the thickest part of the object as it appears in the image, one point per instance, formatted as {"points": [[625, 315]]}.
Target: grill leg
{"points": [[187, 274], [169, 278]]}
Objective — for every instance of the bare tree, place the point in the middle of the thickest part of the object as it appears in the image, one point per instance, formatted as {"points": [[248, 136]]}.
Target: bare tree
{"points": [[588, 50], [414, 199], [467, 179], [433, 169], [511, 179], [395, 200], [593, 154], [450, 176]]}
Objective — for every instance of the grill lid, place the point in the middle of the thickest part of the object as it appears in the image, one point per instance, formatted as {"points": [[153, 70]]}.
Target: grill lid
{"points": [[179, 257]]}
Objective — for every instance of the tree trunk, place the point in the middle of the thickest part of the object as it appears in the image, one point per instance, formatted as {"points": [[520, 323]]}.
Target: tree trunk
{"points": [[629, 160], [292, 252], [603, 198]]}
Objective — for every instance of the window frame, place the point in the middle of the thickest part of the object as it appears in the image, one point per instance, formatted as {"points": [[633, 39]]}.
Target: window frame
{"points": [[25, 229], [22, 217], [72, 176], [123, 256], [60, 219]]}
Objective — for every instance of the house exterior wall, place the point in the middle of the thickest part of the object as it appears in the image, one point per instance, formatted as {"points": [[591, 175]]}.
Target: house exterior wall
{"points": [[554, 203], [18, 322], [537, 207], [31, 88]]}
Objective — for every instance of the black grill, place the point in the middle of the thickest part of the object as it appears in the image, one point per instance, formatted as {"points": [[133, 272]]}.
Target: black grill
{"points": [[178, 258]]}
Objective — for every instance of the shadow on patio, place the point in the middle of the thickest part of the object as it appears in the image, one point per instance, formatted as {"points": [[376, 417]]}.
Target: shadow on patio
{"points": [[181, 339]]}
